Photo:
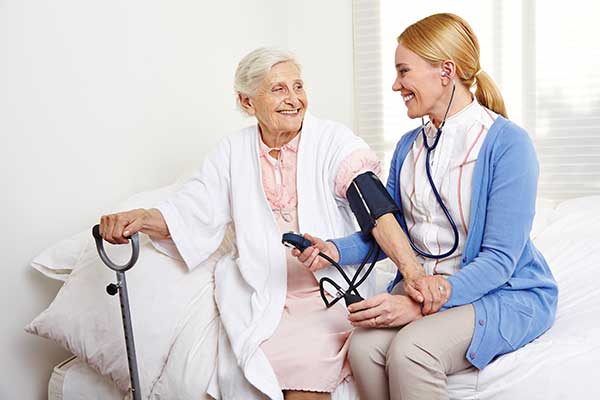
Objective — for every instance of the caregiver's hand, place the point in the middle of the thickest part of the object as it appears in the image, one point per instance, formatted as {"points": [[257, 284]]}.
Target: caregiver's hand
{"points": [[310, 256], [116, 228], [384, 311], [436, 291]]}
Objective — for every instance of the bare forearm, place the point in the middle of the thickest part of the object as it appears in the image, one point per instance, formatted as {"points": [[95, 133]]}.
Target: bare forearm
{"points": [[154, 224], [393, 241]]}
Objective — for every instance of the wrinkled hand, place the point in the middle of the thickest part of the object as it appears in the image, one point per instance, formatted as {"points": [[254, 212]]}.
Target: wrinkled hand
{"points": [[116, 228], [310, 256], [436, 291], [410, 284], [384, 311]]}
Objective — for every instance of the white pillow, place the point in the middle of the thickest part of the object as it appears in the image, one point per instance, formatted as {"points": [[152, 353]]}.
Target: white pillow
{"points": [[568, 242], [87, 321], [588, 205], [193, 356], [58, 260]]}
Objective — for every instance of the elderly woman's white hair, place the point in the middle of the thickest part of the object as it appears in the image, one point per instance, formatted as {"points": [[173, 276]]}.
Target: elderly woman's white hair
{"points": [[253, 68]]}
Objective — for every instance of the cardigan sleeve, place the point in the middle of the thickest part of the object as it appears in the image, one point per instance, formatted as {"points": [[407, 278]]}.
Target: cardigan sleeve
{"points": [[511, 193]]}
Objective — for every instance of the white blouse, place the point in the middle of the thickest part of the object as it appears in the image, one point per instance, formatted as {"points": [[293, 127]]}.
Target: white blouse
{"points": [[452, 163]]}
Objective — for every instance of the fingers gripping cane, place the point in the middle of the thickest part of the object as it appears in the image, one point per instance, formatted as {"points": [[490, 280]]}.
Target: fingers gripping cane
{"points": [[121, 288]]}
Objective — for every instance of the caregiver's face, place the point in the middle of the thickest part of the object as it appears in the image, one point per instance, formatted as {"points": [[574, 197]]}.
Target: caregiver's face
{"points": [[280, 102], [419, 82]]}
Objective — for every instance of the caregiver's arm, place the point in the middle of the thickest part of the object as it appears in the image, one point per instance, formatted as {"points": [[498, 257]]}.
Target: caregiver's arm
{"points": [[116, 228], [392, 240]]}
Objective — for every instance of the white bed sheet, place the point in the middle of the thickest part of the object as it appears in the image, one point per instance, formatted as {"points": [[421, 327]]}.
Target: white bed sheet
{"points": [[564, 363]]}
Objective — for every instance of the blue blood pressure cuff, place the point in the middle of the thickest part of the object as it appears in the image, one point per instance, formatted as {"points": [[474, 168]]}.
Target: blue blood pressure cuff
{"points": [[369, 200]]}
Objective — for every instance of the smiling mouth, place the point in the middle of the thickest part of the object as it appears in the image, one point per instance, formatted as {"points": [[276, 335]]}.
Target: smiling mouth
{"points": [[289, 112], [408, 97]]}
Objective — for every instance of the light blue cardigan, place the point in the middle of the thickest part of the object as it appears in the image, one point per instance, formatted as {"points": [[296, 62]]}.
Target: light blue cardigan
{"points": [[502, 274]]}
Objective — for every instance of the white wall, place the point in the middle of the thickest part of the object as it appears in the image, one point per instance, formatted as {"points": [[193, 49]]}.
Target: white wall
{"points": [[99, 100], [320, 33]]}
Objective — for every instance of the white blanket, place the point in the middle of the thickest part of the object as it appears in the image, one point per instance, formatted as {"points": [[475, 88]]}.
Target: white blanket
{"points": [[250, 286]]}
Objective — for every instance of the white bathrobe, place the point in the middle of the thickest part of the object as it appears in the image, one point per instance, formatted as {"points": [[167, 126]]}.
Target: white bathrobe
{"points": [[250, 286]]}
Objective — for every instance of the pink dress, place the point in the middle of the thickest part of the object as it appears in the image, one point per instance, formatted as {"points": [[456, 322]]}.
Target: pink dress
{"points": [[308, 349]]}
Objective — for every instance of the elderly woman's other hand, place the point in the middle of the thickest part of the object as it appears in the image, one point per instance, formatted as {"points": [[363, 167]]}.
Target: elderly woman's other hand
{"points": [[310, 256], [116, 228], [436, 291], [384, 311]]}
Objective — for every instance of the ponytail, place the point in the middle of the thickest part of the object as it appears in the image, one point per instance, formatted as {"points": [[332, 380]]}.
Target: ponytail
{"points": [[488, 94], [446, 36]]}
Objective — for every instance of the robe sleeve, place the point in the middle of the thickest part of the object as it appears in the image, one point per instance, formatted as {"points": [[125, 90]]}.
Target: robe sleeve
{"points": [[358, 162], [198, 214]]}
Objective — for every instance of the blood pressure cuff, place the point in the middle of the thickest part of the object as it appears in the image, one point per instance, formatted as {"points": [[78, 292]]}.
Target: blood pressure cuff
{"points": [[369, 200]]}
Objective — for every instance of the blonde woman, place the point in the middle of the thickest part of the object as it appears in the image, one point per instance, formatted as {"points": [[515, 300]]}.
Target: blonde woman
{"points": [[486, 290]]}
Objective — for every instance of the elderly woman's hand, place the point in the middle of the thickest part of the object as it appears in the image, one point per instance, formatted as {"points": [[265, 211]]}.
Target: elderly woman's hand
{"points": [[436, 291], [384, 311], [310, 256], [116, 228], [410, 278]]}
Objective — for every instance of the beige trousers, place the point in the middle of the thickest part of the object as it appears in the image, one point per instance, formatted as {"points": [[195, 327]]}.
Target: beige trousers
{"points": [[412, 362]]}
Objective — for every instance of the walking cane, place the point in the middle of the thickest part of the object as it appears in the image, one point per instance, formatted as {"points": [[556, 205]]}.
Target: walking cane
{"points": [[121, 288]]}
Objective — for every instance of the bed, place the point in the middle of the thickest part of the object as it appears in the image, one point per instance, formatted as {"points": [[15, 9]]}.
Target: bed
{"points": [[561, 364], [73, 379]]}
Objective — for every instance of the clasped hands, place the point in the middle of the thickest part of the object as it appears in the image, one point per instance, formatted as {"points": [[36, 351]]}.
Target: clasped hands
{"points": [[424, 294]]}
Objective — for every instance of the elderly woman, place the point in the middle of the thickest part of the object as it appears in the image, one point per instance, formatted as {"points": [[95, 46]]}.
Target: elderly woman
{"points": [[288, 171], [465, 184]]}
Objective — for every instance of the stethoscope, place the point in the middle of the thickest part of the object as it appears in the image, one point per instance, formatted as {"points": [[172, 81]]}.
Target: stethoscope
{"points": [[433, 187]]}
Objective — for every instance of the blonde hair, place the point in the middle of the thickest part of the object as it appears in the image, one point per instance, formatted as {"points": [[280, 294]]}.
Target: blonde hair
{"points": [[255, 66], [441, 37]]}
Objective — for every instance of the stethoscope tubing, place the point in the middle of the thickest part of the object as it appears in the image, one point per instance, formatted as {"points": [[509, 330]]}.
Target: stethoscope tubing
{"points": [[436, 193]]}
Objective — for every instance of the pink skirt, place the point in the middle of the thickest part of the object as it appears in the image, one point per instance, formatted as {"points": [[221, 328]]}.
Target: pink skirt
{"points": [[308, 350]]}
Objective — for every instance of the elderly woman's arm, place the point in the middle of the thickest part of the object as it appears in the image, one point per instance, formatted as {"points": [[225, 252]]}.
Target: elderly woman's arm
{"points": [[194, 218], [392, 240]]}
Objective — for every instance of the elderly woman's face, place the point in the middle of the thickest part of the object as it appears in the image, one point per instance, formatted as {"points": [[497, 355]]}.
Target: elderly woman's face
{"points": [[280, 102]]}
